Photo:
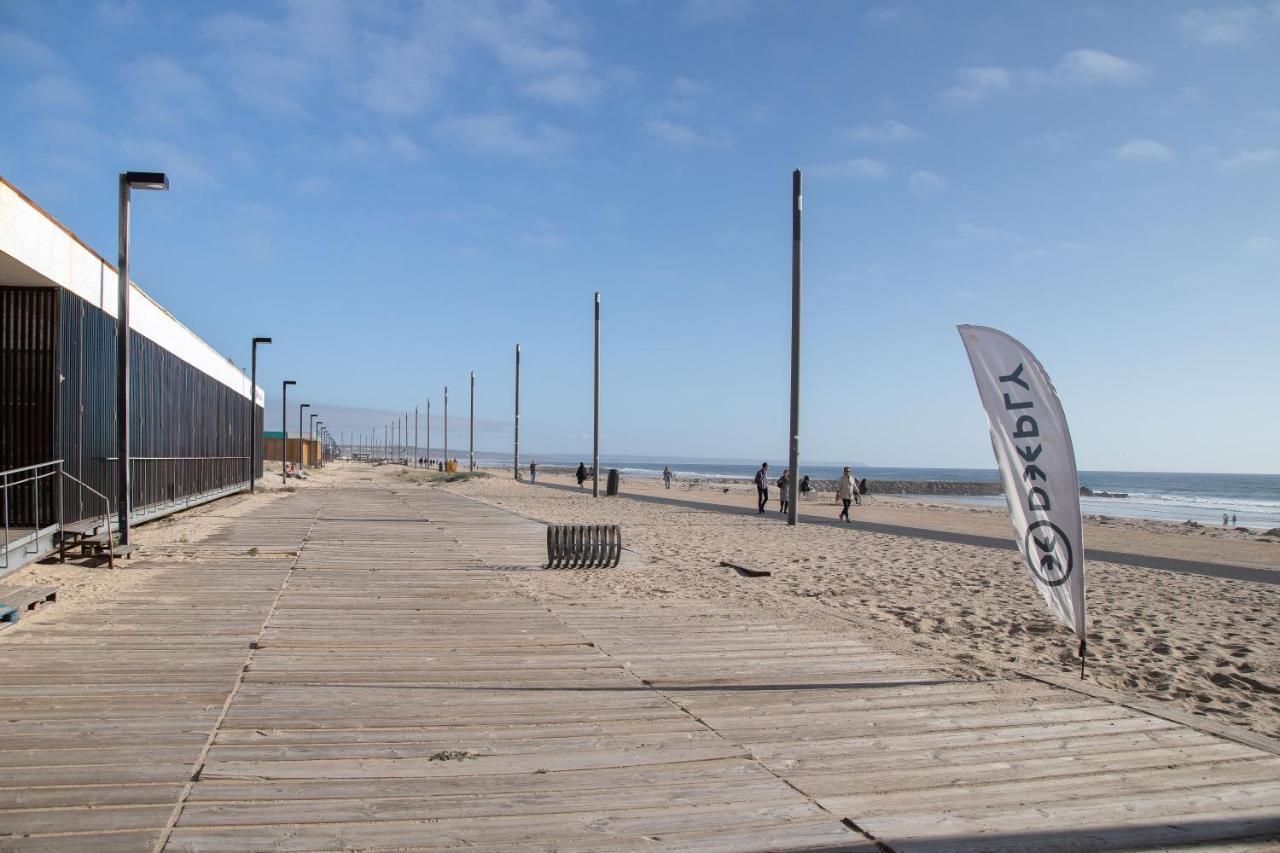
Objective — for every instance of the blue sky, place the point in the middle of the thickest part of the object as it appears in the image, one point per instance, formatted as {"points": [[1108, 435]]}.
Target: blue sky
{"points": [[398, 192]]}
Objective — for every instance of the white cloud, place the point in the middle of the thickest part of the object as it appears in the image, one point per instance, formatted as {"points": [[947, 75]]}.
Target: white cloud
{"points": [[923, 182], [1261, 244], [313, 185], [970, 233], [859, 168], [882, 134], [403, 147], [686, 87], [52, 93], [183, 164], [978, 84], [1219, 27], [1144, 150], [881, 15], [165, 93], [1096, 66], [1085, 66], [117, 13], [1254, 157], [710, 11], [682, 136], [503, 136], [20, 49], [565, 89]]}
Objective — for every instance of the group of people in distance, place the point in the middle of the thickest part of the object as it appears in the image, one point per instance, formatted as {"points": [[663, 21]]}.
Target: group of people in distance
{"points": [[847, 490]]}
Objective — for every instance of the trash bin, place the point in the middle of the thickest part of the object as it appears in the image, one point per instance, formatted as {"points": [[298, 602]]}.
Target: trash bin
{"points": [[611, 487]]}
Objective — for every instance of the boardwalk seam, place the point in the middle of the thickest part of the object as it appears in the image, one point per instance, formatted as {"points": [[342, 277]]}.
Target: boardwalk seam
{"points": [[198, 768]]}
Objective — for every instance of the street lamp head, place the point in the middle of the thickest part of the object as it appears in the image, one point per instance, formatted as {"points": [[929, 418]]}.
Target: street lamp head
{"points": [[304, 405], [262, 340], [290, 382], [146, 180]]}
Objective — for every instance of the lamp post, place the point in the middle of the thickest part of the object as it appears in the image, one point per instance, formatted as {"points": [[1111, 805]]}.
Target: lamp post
{"points": [[793, 459], [319, 439], [516, 456], [301, 406], [446, 428], [311, 433], [595, 445], [471, 446], [129, 181], [284, 430], [253, 412], [415, 436]]}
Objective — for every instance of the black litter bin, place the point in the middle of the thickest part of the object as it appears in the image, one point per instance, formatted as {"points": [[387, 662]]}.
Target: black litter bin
{"points": [[611, 487]]}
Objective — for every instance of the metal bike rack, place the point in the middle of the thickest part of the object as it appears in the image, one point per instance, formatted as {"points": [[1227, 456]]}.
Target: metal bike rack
{"points": [[583, 546]]}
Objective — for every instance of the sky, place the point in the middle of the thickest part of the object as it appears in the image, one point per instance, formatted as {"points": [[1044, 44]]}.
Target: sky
{"points": [[398, 192]]}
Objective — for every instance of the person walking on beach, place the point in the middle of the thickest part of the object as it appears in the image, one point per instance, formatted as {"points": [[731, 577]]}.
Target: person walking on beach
{"points": [[533, 472], [784, 490], [666, 476], [1233, 519], [762, 486], [805, 488], [581, 474], [846, 490], [1224, 519]]}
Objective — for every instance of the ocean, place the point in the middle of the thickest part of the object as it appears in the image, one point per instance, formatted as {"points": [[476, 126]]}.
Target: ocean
{"points": [[1253, 498]]}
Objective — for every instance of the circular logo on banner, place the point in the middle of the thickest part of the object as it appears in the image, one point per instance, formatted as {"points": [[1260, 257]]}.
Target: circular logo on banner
{"points": [[1048, 553]]}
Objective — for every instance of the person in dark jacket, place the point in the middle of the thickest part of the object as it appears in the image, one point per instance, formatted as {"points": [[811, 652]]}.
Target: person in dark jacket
{"points": [[581, 474], [762, 486]]}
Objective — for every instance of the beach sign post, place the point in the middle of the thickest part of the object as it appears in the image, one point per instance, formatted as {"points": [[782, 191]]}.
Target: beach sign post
{"points": [[595, 429], [1037, 464]]}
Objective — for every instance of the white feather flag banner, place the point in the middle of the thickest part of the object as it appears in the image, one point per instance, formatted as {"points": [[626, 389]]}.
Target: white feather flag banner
{"points": [[1037, 467]]}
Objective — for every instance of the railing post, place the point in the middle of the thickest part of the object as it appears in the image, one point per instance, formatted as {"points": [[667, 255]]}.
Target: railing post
{"points": [[62, 552]]}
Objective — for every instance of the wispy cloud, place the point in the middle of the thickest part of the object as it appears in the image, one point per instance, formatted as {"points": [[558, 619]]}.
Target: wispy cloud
{"points": [[687, 87], [312, 185], [182, 163], [1261, 244], [969, 233], [54, 93], [859, 168], [885, 133], [923, 183], [1085, 66], [697, 12], [1145, 150], [683, 136], [1220, 27], [18, 48], [882, 15], [504, 136], [1252, 157]]}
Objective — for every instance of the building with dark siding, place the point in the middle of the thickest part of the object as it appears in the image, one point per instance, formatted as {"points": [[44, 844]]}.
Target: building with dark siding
{"points": [[193, 412]]}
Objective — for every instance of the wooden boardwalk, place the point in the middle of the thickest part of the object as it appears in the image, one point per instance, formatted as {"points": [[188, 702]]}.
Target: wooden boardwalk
{"points": [[369, 678]]}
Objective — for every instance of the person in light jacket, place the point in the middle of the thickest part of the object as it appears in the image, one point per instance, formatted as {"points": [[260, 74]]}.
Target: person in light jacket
{"points": [[846, 491]]}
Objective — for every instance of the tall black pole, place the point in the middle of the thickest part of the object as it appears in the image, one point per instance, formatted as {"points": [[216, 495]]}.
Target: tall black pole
{"points": [[471, 430], [284, 430], [595, 445], [446, 428], [428, 431], [122, 369], [516, 456], [301, 406], [253, 413], [793, 460], [415, 436]]}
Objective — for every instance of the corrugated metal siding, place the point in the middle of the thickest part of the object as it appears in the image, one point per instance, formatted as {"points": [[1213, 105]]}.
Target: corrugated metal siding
{"points": [[28, 389], [178, 413]]}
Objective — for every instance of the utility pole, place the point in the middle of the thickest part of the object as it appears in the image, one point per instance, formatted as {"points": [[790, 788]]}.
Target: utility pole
{"points": [[595, 451], [793, 460], [415, 436], [471, 446], [446, 428], [516, 456], [428, 430]]}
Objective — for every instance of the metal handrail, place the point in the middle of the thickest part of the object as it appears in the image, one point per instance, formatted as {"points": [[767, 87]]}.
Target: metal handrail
{"points": [[111, 563], [6, 484]]}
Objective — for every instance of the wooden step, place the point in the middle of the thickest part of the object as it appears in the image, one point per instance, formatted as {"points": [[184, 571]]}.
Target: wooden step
{"points": [[25, 599]]}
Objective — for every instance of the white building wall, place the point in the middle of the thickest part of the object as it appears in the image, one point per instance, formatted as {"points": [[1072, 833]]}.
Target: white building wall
{"points": [[55, 256]]}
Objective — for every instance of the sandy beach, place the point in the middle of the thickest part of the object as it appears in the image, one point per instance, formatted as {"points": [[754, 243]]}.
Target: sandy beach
{"points": [[1205, 645]]}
